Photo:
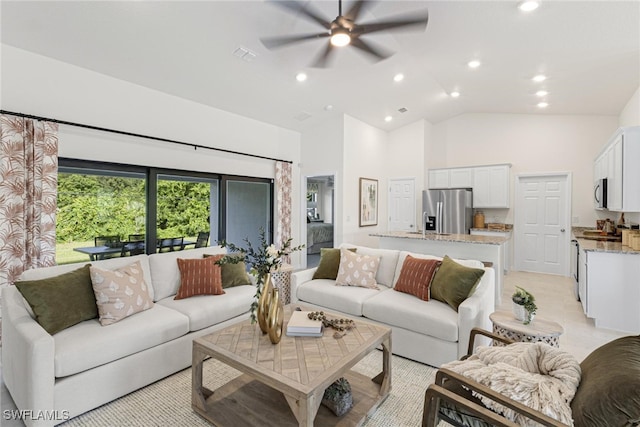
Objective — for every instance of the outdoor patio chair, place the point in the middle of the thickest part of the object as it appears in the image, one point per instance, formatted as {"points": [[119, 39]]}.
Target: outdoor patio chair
{"points": [[202, 240], [608, 394], [136, 237], [109, 241], [171, 244]]}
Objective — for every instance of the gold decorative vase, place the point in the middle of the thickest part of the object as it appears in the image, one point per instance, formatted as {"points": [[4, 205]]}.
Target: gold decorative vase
{"points": [[264, 302], [275, 318]]}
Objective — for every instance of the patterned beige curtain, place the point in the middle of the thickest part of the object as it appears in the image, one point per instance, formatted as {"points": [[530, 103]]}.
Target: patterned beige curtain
{"points": [[283, 199], [28, 195]]}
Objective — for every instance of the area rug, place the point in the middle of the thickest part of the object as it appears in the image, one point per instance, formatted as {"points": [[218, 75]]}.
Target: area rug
{"points": [[168, 401]]}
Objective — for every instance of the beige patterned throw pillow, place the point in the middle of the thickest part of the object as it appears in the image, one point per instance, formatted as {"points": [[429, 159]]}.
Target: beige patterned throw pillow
{"points": [[357, 270], [120, 293]]}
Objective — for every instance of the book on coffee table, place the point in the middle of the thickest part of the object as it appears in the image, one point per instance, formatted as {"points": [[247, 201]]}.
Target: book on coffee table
{"points": [[299, 323]]}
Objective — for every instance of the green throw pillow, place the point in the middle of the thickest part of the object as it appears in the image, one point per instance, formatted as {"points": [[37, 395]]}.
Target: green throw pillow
{"points": [[329, 263], [453, 282], [609, 391], [61, 301], [233, 274]]}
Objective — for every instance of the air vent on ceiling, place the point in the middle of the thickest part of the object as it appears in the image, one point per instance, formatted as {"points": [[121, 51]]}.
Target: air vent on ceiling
{"points": [[244, 54], [402, 110], [303, 116]]}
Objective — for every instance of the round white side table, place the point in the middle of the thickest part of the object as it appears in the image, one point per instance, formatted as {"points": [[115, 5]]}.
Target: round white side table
{"points": [[539, 330]]}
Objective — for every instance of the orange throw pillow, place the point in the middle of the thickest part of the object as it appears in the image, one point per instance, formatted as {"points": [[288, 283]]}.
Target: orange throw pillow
{"points": [[416, 275], [200, 276]]}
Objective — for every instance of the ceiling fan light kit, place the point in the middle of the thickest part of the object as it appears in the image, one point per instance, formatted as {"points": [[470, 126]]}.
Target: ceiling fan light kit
{"points": [[343, 30]]}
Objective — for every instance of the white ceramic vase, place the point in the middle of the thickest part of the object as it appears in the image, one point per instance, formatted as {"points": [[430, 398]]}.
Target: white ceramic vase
{"points": [[520, 312]]}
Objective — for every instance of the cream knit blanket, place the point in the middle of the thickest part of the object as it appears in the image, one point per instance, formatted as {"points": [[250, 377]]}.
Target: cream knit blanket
{"points": [[541, 377]]}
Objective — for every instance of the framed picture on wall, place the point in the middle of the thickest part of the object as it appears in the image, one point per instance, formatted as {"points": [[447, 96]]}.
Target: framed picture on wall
{"points": [[368, 202]]}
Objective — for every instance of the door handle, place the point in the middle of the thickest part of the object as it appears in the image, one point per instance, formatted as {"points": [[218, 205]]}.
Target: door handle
{"points": [[562, 230]]}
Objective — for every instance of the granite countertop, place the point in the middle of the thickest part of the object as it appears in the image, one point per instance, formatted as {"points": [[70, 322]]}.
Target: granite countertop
{"points": [[457, 238], [492, 230], [600, 246]]}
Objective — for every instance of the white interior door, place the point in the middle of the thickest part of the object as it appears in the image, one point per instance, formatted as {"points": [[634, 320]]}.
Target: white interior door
{"points": [[402, 204], [542, 220]]}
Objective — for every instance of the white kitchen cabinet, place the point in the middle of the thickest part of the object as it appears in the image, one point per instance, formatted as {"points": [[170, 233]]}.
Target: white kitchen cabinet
{"points": [[582, 280], [506, 254], [439, 178], [619, 162], [491, 186], [461, 178], [613, 296]]}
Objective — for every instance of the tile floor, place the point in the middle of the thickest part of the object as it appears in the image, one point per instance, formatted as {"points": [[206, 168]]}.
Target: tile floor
{"points": [[555, 300]]}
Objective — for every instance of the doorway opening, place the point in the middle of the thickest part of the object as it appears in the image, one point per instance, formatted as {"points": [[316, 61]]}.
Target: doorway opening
{"points": [[320, 216]]}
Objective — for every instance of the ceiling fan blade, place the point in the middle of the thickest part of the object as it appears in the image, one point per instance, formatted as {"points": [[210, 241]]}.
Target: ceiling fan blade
{"points": [[376, 52], [277, 42], [304, 9], [357, 8], [323, 59], [373, 27]]}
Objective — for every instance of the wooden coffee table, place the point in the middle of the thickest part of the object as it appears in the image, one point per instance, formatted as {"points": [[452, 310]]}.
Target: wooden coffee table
{"points": [[283, 384]]}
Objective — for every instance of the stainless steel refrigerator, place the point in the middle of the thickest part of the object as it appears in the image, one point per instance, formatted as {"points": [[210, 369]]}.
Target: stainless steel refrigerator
{"points": [[447, 211]]}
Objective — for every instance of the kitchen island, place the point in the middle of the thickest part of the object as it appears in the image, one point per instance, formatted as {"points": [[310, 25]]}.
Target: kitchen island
{"points": [[465, 246]]}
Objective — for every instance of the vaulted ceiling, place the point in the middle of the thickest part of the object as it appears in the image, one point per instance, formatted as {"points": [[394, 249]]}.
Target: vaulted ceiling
{"points": [[589, 51]]}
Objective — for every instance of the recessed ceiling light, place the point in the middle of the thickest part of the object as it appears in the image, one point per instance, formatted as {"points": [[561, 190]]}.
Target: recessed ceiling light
{"points": [[543, 104], [398, 77], [301, 77], [528, 6], [454, 94], [388, 119], [328, 107], [473, 64], [539, 78], [542, 93]]}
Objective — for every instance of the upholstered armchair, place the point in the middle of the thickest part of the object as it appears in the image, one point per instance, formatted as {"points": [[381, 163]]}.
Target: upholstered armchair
{"points": [[608, 393]]}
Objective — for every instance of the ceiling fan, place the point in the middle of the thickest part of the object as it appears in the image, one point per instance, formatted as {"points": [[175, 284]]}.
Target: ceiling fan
{"points": [[343, 30]]}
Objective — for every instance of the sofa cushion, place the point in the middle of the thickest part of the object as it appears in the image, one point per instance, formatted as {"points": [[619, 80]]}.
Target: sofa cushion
{"points": [[432, 318], [61, 301], [454, 282], [416, 275], [325, 293], [609, 391], [120, 293], [329, 263], [388, 262], [200, 276], [357, 270], [233, 273], [87, 344], [165, 274], [207, 310], [403, 254]]}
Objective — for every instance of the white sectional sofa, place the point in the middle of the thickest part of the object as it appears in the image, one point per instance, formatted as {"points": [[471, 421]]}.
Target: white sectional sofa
{"points": [[430, 332], [87, 365]]}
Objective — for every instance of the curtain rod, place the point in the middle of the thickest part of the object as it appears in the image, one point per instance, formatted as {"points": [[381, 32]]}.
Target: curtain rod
{"points": [[137, 135]]}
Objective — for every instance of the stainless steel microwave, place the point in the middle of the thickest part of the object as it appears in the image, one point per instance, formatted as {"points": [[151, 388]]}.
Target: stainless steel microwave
{"points": [[600, 193]]}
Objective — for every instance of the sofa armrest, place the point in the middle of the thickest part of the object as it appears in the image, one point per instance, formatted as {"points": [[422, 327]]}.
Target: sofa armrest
{"points": [[298, 278], [474, 311], [27, 357]]}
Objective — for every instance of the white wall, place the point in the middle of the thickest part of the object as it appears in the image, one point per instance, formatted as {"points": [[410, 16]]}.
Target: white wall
{"points": [[322, 154], [365, 156], [630, 115], [531, 143], [405, 157], [38, 85]]}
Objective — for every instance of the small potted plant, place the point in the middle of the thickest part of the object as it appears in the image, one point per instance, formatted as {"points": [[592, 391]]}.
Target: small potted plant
{"points": [[524, 305], [338, 397]]}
